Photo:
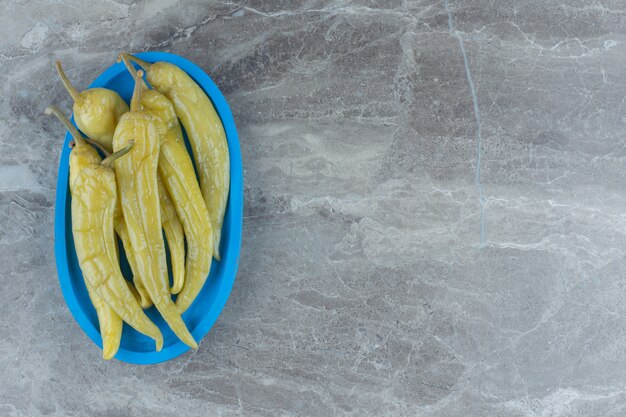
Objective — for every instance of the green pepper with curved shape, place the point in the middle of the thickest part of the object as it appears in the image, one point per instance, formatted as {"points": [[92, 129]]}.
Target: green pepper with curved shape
{"points": [[96, 110], [137, 178], [110, 323]]}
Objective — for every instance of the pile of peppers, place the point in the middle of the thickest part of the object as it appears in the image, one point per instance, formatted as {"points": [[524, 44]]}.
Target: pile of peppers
{"points": [[132, 178]]}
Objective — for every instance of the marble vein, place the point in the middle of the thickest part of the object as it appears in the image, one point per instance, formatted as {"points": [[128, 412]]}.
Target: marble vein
{"points": [[479, 138]]}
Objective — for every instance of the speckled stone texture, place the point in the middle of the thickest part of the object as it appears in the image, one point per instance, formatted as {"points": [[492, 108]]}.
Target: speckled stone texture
{"points": [[435, 209]]}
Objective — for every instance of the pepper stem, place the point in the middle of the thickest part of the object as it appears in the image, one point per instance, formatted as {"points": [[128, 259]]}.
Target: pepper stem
{"points": [[66, 82], [143, 64], [108, 161], [135, 101], [133, 72], [98, 146], [78, 137]]}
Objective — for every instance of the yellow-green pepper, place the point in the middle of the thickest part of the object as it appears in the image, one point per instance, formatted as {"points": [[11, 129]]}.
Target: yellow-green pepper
{"points": [[96, 110], [110, 323], [137, 177]]}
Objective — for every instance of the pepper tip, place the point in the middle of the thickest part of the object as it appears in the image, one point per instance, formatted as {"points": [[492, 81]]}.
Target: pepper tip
{"points": [[109, 351], [159, 344]]}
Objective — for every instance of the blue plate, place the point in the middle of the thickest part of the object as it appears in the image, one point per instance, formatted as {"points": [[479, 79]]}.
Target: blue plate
{"points": [[135, 347]]}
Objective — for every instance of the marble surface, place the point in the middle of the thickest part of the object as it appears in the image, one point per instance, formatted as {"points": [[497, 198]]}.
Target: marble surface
{"points": [[435, 218]]}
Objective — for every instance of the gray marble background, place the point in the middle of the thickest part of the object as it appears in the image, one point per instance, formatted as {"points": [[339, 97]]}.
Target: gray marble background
{"points": [[435, 218]]}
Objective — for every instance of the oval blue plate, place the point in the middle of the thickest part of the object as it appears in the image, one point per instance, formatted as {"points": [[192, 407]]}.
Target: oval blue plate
{"points": [[135, 347]]}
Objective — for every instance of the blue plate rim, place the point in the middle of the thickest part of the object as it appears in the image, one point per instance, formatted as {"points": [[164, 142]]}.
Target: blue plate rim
{"points": [[235, 205]]}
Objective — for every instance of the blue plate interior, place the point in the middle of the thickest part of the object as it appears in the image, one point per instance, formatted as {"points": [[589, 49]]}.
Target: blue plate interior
{"points": [[135, 347]]}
